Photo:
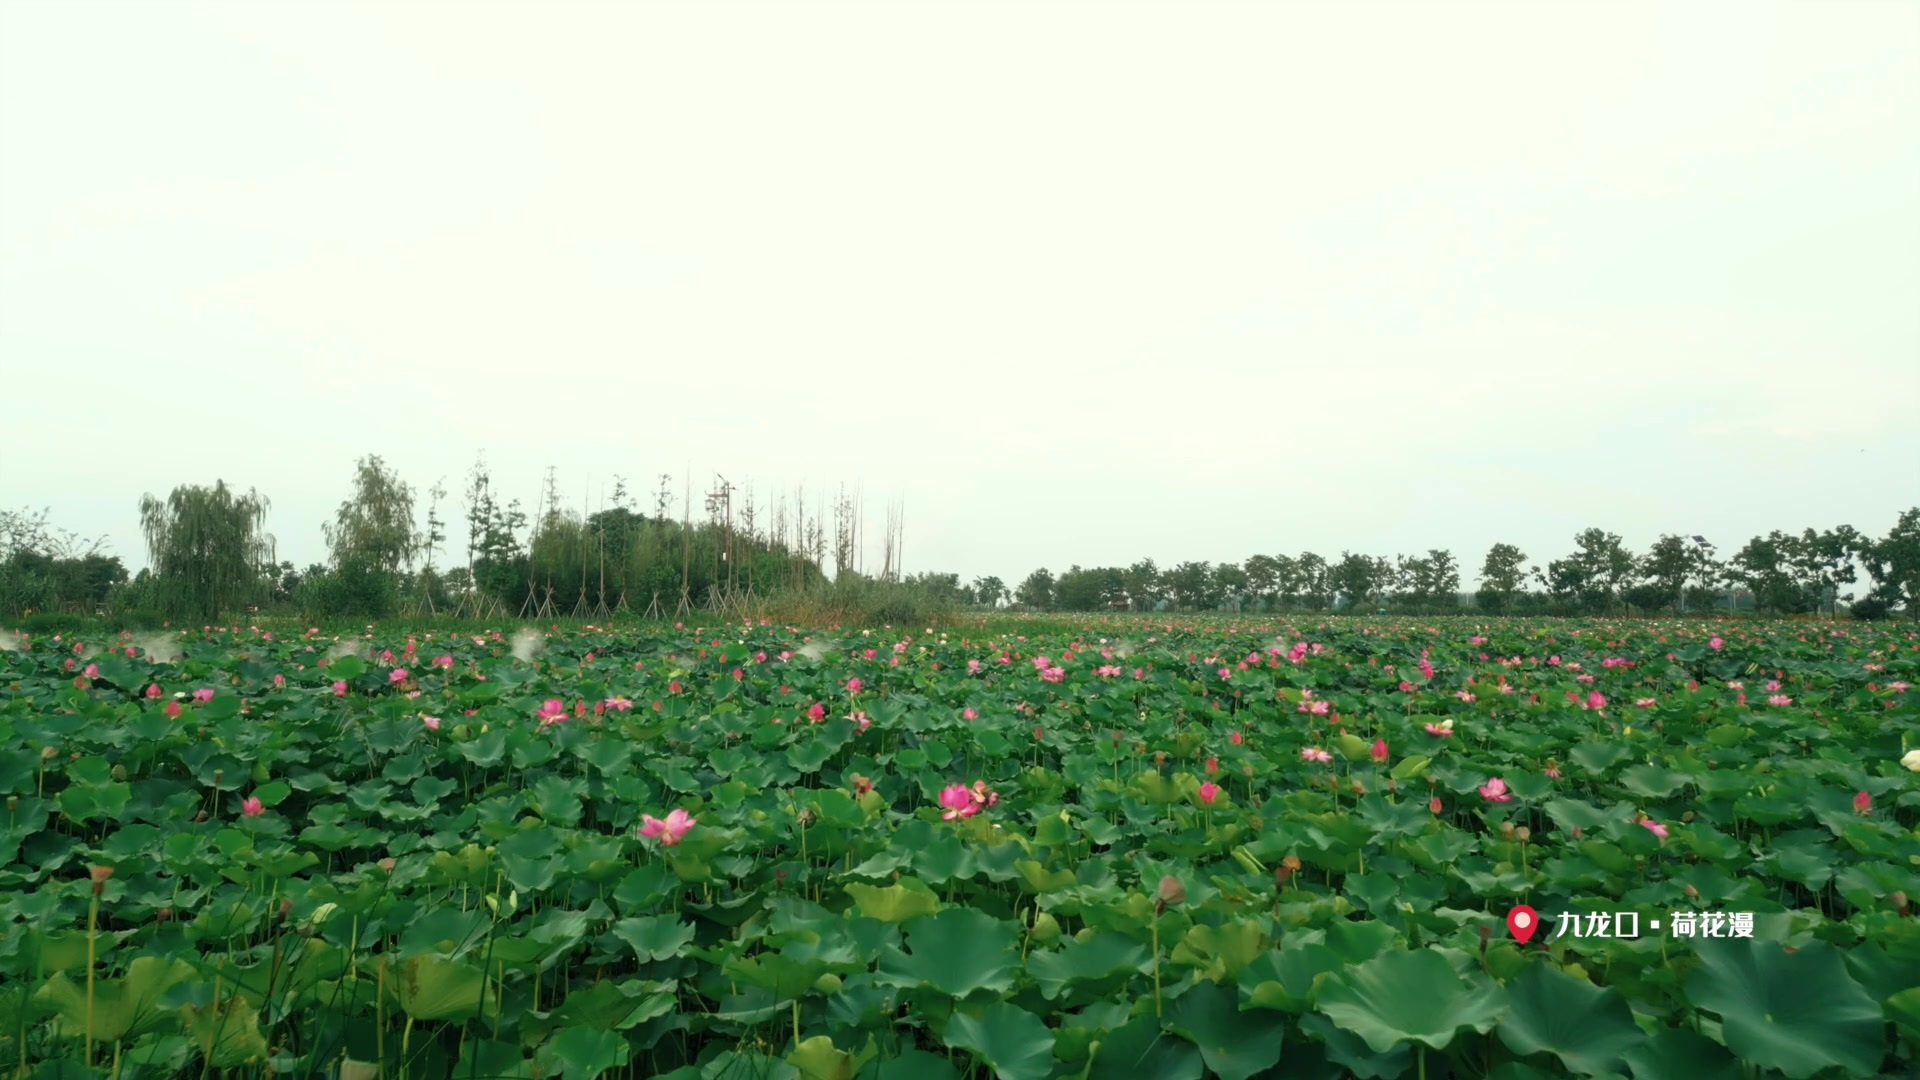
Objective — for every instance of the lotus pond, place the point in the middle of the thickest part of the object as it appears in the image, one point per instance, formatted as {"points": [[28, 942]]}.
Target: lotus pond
{"points": [[1136, 849]]}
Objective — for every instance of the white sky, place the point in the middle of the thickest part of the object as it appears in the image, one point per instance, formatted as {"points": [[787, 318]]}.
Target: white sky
{"points": [[1078, 282]]}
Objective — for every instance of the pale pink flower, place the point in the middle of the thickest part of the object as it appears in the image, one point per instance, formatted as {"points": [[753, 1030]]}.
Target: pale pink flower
{"points": [[339, 689], [1716, 644], [619, 704], [552, 711], [203, 695], [443, 661], [1645, 703], [432, 722], [1464, 695], [1655, 828], [670, 830], [1779, 700], [973, 667], [252, 806], [397, 675], [1314, 753], [1054, 674], [1443, 729], [1495, 790]]}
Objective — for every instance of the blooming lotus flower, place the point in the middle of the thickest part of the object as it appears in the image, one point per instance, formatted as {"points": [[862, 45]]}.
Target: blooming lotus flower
{"points": [[670, 830], [958, 799], [1443, 729], [1209, 791], [339, 689], [443, 661], [968, 713], [203, 695], [854, 685], [1596, 700], [1314, 753], [252, 806], [1779, 700], [1054, 674], [1911, 761], [552, 711], [1654, 827], [619, 704], [397, 676], [1716, 644], [1495, 790], [973, 667], [432, 722]]}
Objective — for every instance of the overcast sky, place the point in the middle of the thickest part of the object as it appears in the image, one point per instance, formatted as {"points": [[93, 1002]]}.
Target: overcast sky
{"points": [[1076, 282]]}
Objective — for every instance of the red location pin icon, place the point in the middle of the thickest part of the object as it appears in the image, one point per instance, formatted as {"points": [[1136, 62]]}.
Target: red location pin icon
{"points": [[1522, 922]]}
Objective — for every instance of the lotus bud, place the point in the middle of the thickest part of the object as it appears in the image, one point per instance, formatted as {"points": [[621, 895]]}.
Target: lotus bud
{"points": [[388, 864], [1899, 901], [1523, 834], [1687, 817], [48, 754], [1171, 892], [1506, 829], [1692, 893]]}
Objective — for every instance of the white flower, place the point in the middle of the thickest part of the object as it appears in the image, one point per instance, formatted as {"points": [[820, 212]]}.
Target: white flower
{"points": [[1912, 760]]}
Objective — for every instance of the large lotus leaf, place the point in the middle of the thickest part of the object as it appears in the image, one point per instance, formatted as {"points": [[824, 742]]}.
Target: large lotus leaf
{"points": [[957, 952], [1796, 1012], [1102, 955], [1351, 1052], [912, 1065], [1679, 1054], [654, 937], [1586, 1027], [1401, 996], [122, 1008], [1235, 1045], [227, 1033], [907, 899], [431, 988], [1220, 952], [1011, 1041], [1142, 1050], [582, 1053]]}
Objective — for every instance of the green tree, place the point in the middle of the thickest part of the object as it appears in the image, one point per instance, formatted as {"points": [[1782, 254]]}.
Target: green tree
{"points": [[1893, 561], [1765, 567], [1263, 578], [1036, 592], [1669, 566], [208, 547], [1606, 567], [1315, 581], [1501, 578], [1230, 584], [1190, 586], [1141, 583], [989, 591], [1354, 580]]}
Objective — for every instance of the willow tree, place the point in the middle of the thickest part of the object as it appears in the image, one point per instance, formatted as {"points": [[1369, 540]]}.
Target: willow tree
{"points": [[209, 548], [375, 527]]}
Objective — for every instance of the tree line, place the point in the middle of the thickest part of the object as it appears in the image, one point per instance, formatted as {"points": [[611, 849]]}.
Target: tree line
{"points": [[1780, 573], [210, 555]]}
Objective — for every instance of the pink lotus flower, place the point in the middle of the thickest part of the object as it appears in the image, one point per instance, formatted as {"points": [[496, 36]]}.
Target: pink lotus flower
{"points": [[969, 714], [397, 676], [1716, 644], [1042, 663], [1380, 750], [172, 710], [1655, 827], [854, 685], [1407, 687], [279, 681], [339, 689], [1464, 695], [1645, 703], [1426, 669], [552, 711], [958, 800], [670, 830], [973, 667], [1314, 753], [1434, 804], [1054, 674], [443, 661], [203, 695], [1443, 729], [153, 691], [816, 712], [1596, 700], [619, 704], [92, 671], [1108, 671], [1779, 700], [1495, 790], [432, 722], [1209, 791], [1863, 803], [252, 806]]}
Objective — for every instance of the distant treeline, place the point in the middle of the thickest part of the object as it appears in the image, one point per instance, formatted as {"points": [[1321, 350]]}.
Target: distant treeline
{"points": [[210, 555]]}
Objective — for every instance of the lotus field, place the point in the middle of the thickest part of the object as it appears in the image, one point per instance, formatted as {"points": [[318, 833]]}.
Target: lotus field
{"points": [[1131, 849]]}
